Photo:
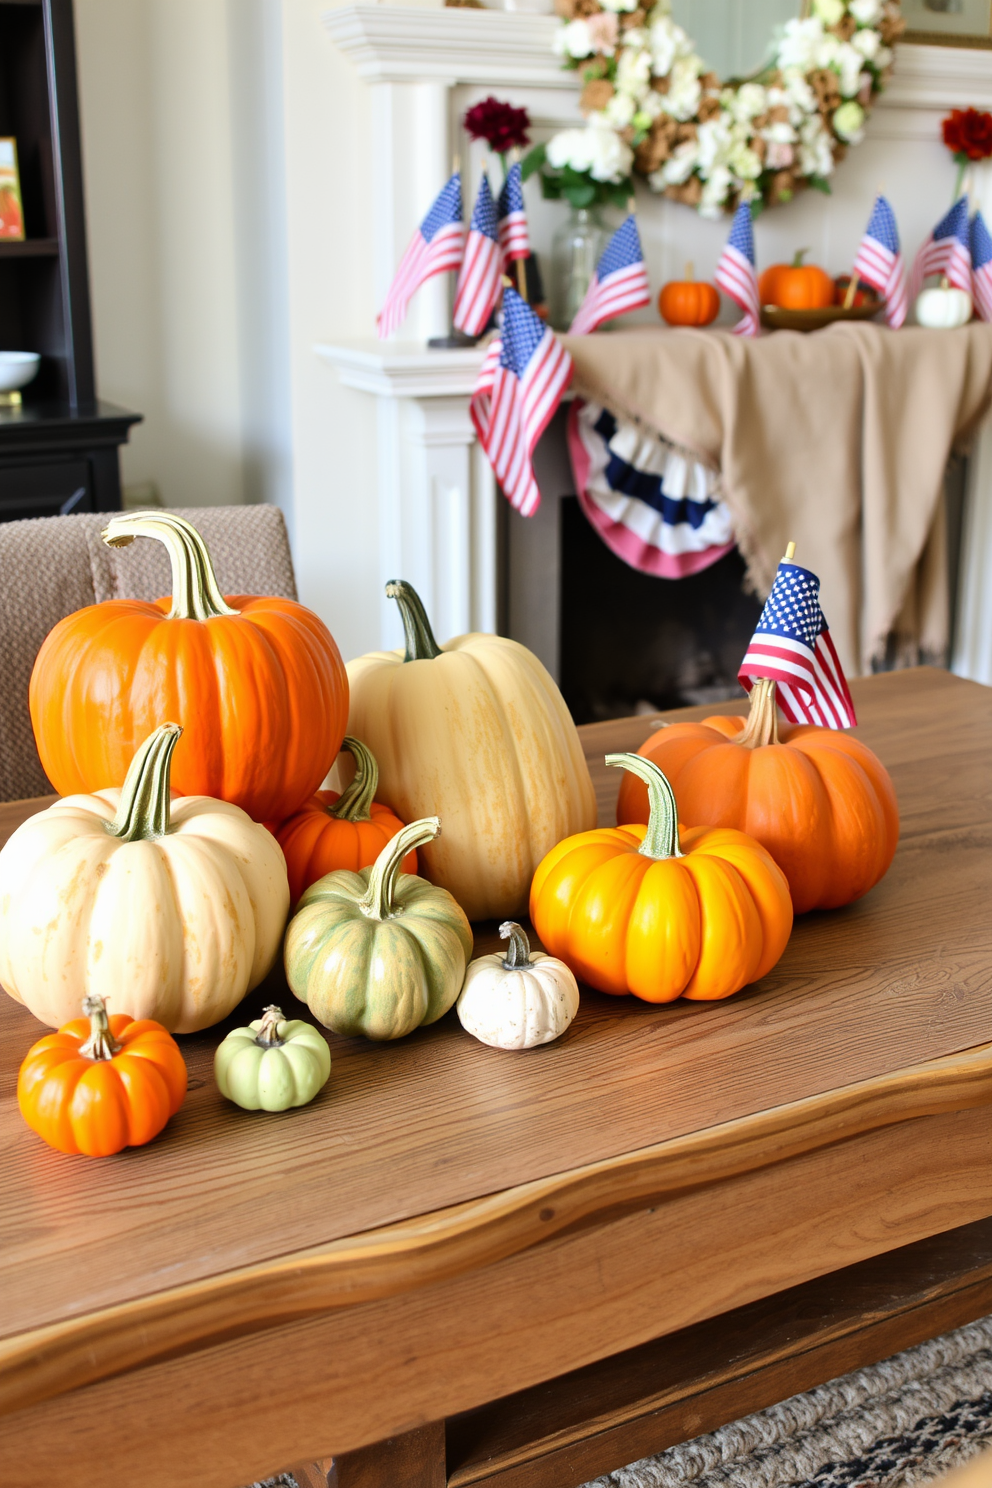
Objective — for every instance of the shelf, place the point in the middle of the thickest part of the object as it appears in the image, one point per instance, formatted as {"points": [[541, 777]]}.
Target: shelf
{"points": [[31, 247]]}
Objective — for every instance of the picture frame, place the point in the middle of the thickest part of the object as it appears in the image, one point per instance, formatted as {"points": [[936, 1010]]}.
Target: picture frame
{"points": [[11, 204], [959, 23]]}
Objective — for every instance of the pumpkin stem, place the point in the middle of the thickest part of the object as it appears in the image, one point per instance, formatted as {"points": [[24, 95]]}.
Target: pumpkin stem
{"points": [[267, 1036], [144, 809], [377, 901], [101, 1043], [355, 801], [195, 595], [420, 642], [661, 840], [797, 262], [762, 720], [518, 951]]}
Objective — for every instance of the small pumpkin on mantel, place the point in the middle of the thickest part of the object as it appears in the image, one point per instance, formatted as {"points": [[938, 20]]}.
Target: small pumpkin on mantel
{"points": [[943, 308], [519, 999], [689, 301]]}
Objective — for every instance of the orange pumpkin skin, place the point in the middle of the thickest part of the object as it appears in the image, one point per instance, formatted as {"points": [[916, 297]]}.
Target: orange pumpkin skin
{"points": [[768, 283], [819, 800], [99, 1106], [805, 287], [700, 926], [689, 302], [315, 843], [262, 696]]}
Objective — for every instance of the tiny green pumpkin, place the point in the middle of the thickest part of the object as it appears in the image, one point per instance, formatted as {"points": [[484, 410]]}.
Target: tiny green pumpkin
{"points": [[272, 1064], [379, 952]]}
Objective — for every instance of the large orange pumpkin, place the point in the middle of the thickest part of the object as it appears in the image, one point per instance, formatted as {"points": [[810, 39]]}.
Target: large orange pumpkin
{"points": [[658, 911], [346, 829], [796, 286], [257, 684], [101, 1084], [688, 301], [819, 800]]}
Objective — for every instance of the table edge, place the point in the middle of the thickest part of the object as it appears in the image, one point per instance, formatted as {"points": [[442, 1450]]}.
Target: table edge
{"points": [[60, 1357]]}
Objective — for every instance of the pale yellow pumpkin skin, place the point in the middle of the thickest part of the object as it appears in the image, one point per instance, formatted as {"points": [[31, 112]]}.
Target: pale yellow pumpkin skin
{"points": [[176, 928], [479, 735]]}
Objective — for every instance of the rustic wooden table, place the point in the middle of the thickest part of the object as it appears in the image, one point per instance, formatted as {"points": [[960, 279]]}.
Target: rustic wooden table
{"points": [[465, 1266]]}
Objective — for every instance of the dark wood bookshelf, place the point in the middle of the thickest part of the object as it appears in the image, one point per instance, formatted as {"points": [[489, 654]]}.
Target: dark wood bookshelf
{"points": [[44, 281]]}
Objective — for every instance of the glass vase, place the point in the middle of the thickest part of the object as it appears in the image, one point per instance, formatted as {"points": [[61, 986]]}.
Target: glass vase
{"points": [[575, 252]]}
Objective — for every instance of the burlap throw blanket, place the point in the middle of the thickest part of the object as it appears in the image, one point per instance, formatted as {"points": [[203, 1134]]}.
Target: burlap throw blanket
{"points": [[837, 441]]}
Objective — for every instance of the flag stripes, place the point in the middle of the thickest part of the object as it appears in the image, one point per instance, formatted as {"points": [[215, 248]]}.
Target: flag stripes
{"points": [[480, 280], [735, 273], [436, 247], [792, 647], [619, 285]]}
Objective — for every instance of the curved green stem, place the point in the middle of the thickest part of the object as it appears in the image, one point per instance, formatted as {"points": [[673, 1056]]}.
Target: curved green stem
{"points": [[144, 807], [101, 1043], [195, 595], [420, 642], [355, 801], [267, 1037], [661, 840], [377, 901], [518, 951]]}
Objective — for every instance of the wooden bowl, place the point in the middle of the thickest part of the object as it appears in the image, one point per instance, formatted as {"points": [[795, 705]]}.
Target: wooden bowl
{"points": [[775, 318]]}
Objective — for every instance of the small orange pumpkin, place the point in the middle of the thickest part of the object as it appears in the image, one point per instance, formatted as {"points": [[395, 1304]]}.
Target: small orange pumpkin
{"points": [[340, 830], [689, 301], [660, 912], [819, 800], [101, 1083], [796, 286]]}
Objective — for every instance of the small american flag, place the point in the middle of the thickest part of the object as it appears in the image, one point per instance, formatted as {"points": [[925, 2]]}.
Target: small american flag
{"points": [[946, 251], [879, 262], [435, 247], [792, 646], [521, 384], [619, 284], [735, 273], [981, 267], [482, 267], [514, 238]]}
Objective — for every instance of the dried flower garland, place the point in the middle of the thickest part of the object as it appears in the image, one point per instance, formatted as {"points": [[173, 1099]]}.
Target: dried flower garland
{"points": [[651, 105]]}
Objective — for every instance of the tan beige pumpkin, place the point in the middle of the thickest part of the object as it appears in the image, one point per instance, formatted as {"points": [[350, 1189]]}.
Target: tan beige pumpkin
{"points": [[166, 910], [476, 732]]}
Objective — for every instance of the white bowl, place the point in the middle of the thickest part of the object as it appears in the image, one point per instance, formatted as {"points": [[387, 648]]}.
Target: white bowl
{"points": [[17, 369]]}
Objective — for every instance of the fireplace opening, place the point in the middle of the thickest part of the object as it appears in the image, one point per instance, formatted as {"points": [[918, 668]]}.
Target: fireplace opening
{"points": [[630, 642]]}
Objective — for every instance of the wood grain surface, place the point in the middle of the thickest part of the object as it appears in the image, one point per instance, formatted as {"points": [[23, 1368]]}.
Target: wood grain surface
{"points": [[439, 1121]]}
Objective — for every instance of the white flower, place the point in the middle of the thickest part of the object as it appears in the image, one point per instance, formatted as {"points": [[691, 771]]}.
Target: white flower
{"points": [[829, 11], [652, 105], [634, 73], [849, 62], [865, 12], [867, 42], [684, 89], [745, 163], [716, 140], [800, 44], [715, 192], [569, 147], [619, 4], [815, 154], [620, 110], [610, 159], [748, 101], [848, 122], [779, 134], [680, 164], [802, 99], [779, 155], [668, 42], [574, 40]]}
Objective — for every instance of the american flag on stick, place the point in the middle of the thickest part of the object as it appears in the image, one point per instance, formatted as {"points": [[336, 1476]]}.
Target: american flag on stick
{"points": [[523, 377], [482, 267], [981, 267], [792, 647], [514, 239], [879, 262], [435, 247], [619, 284], [946, 251], [735, 273]]}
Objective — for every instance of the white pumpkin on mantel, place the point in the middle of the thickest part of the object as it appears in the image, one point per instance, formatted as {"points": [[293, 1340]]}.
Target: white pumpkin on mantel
{"points": [[943, 308], [520, 999]]}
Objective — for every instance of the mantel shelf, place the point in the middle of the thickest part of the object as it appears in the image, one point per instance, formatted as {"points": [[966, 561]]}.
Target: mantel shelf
{"points": [[405, 369]]}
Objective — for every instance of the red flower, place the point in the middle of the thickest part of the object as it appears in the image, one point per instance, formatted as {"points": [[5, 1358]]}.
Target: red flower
{"points": [[500, 124], [968, 134]]}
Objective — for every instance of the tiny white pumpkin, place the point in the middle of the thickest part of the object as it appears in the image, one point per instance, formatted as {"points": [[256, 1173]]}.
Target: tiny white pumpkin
{"points": [[272, 1064], [518, 1000], [943, 308]]}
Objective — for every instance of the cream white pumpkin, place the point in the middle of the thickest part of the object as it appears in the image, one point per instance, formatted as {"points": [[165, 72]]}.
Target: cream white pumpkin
{"points": [[518, 1000], [476, 732], [943, 308], [171, 911]]}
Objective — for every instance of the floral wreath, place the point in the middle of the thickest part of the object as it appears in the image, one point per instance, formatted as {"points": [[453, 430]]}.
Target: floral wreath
{"points": [[651, 106]]}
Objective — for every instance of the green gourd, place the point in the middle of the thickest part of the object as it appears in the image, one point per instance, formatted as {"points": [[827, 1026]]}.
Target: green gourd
{"points": [[379, 952], [272, 1064]]}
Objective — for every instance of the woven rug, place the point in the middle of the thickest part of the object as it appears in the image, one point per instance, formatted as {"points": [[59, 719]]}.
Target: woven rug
{"points": [[907, 1420]]}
